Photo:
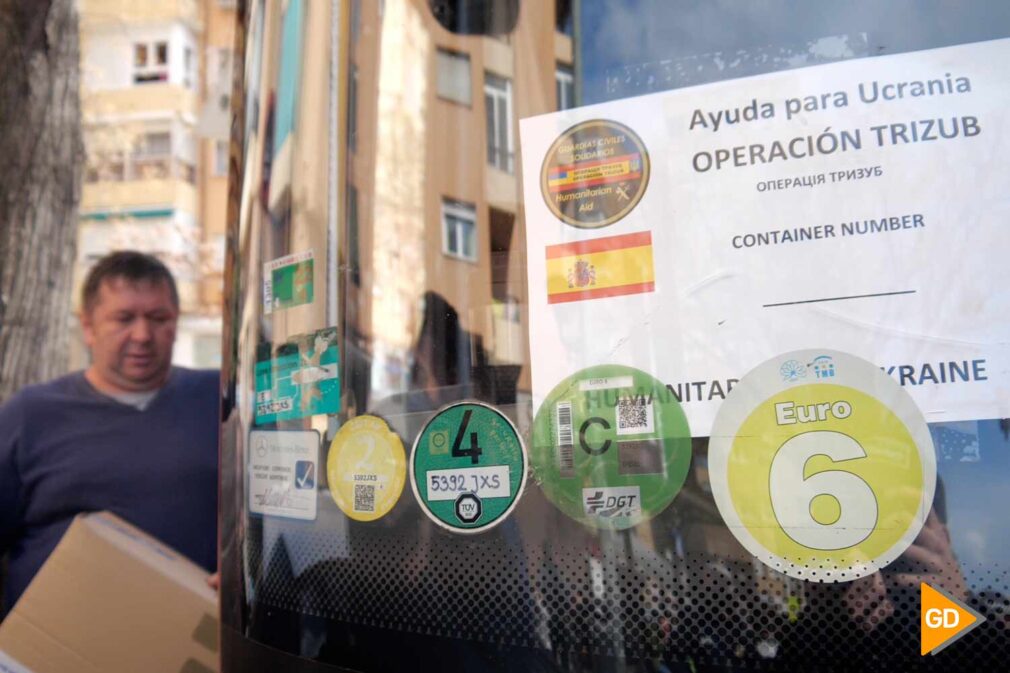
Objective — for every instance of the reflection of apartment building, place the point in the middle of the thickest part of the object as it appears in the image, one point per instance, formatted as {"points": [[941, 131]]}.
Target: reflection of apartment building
{"points": [[285, 206], [155, 96], [425, 140], [434, 202]]}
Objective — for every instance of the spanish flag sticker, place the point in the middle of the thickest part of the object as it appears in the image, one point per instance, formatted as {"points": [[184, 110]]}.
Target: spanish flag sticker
{"points": [[613, 266]]}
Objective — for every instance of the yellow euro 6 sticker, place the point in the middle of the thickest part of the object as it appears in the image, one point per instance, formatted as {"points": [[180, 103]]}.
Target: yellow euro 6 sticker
{"points": [[366, 468], [822, 466]]}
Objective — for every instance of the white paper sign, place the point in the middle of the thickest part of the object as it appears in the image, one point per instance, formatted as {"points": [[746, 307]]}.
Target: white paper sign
{"points": [[283, 473], [860, 206]]}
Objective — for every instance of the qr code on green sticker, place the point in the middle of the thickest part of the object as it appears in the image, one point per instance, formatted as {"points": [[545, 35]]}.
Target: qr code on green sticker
{"points": [[634, 415]]}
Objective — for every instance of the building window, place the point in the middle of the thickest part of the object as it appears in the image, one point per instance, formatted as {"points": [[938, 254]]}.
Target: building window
{"points": [[188, 78], [564, 86], [459, 225], [105, 166], [150, 62], [152, 156], [563, 22], [220, 158], [498, 109], [219, 76], [158, 143], [355, 21], [453, 76], [219, 70], [353, 244], [352, 109]]}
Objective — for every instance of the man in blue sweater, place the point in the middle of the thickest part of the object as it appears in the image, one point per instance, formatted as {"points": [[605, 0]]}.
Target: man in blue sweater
{"points": [[130, 434]]}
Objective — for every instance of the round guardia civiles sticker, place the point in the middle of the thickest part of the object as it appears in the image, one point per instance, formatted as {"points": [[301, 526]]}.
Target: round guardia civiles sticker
{"points": [[611, 447], [594, 174], [468, 467], [822, 465]]}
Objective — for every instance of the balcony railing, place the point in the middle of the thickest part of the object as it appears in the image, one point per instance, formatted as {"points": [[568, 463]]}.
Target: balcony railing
{"points": [[140, 167]]}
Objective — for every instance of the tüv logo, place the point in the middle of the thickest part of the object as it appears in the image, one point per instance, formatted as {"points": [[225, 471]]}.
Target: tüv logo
{"points": [[823, 366], [611, 502]]}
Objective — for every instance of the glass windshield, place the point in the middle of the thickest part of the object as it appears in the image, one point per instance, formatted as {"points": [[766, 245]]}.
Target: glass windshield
{"points": [[637, 335]]}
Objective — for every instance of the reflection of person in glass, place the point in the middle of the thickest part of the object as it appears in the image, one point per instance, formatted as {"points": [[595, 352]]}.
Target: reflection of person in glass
{"points": [[448, 364], [882, 607], [446, 359], [930, 559]]}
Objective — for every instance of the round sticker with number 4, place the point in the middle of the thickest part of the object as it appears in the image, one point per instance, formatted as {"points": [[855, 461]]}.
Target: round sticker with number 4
{"points": [[468, 467], [822, 466]]}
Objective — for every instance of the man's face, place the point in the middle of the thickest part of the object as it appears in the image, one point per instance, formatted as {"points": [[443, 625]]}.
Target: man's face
{"points": [[130, 331]]}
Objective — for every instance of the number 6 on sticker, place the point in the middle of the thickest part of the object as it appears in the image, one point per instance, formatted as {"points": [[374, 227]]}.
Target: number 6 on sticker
{"points": [[833, 509]]}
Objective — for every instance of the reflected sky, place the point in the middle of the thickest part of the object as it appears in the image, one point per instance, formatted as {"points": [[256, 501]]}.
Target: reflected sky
{"points": [[977, 499], [689, 42]]}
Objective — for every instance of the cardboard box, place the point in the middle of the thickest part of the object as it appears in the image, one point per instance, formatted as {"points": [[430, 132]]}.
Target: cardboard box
{"points": [[112, 599]]}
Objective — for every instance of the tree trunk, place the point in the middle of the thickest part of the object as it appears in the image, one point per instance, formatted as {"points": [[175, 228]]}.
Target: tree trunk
{"points": [[41, 155]]}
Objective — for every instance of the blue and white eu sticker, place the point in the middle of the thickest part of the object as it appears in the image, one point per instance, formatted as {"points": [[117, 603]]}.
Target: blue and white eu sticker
{"points": [[822, 465], [283, 473], [302, 380], [468, 467], [611, 446]]}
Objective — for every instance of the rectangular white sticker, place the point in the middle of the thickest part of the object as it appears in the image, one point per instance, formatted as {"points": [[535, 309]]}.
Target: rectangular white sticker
{"points": [[283, 470], [484, 482], [606, 383], [858, 206]]}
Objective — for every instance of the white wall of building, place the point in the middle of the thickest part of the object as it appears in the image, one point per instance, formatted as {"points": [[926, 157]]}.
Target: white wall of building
{"points": [[198, 342], [107, 54]]}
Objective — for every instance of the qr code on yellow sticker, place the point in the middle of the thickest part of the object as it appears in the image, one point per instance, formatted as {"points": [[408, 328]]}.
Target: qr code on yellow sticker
{"points": [[364, 498]]}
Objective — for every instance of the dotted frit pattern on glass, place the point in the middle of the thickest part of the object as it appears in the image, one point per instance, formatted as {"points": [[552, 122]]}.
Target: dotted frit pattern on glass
{"points": [[613, 595]]}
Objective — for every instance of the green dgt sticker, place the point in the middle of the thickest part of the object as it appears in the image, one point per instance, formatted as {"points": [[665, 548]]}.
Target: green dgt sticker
{"points": [[288, 281], [611, 446], [468, 467], [302, 380]]}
